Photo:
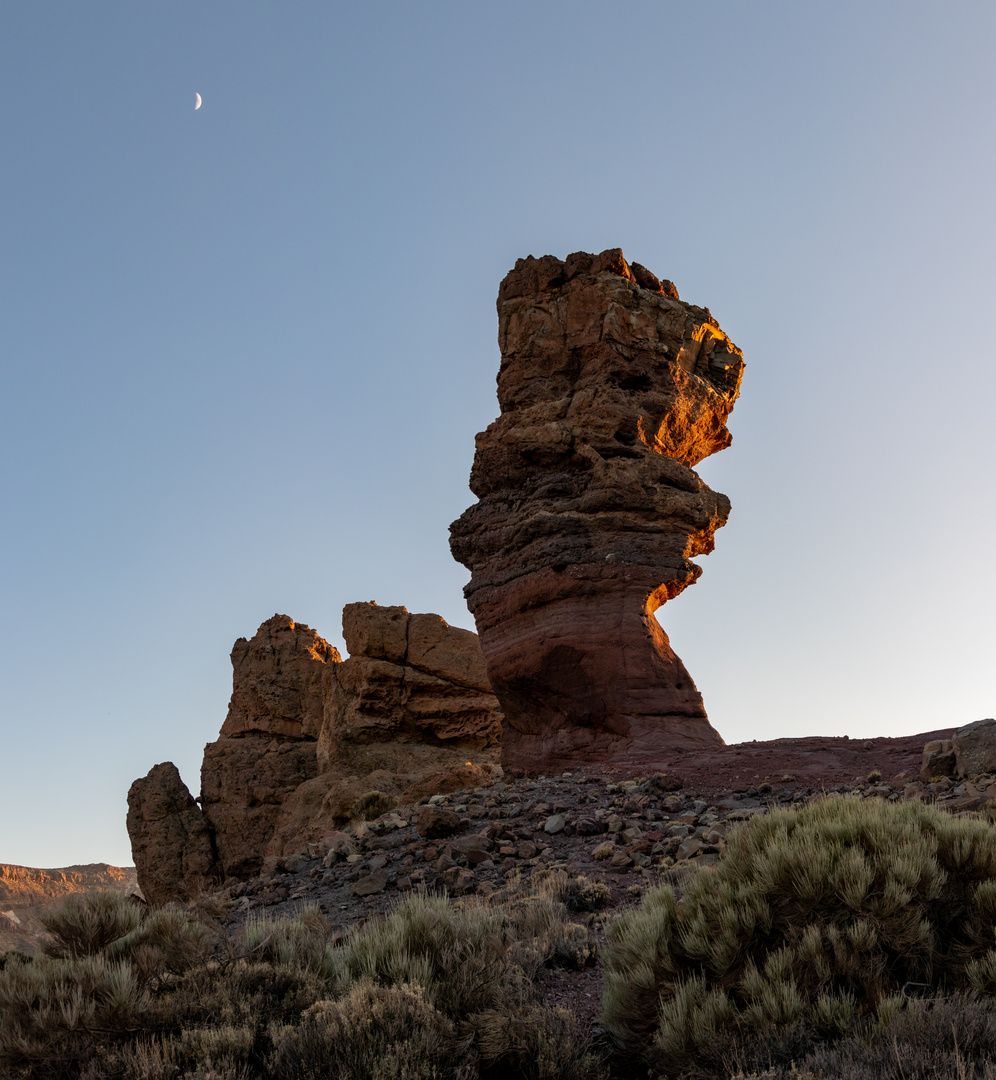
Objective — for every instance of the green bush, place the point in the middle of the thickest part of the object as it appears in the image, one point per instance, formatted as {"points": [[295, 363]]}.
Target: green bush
{"points": [[820, 916]]}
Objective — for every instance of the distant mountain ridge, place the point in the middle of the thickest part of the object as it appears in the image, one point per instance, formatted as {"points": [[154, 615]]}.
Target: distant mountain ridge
{"points": [[26, 891]]}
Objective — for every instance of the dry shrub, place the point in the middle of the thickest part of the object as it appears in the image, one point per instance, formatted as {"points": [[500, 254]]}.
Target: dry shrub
{"points": [[371, 1033], [84, 924], [301, 940], [57, 1014], [475, 964], [239, 993], [370, 806], [582, 894], [167, 942], [816, 917], [948, 1039]]}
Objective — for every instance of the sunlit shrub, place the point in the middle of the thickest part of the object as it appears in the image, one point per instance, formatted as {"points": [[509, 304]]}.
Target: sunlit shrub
{"points": [[819, 915]]}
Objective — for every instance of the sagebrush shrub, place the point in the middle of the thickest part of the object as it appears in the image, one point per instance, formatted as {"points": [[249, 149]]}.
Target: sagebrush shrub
{"points": [[300, 940], [822, 914], [476, 962], [371, 1033], [56, 1014], [84, 924]]}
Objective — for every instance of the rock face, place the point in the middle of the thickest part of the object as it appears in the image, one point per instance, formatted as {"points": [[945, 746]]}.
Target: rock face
{"points": [[267, 745], [311, 741], [171, 840], [971, 750], [410, 681], [611, 389]]}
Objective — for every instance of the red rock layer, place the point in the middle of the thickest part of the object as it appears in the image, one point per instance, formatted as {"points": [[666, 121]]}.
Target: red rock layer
{"points": [[610, 390]]}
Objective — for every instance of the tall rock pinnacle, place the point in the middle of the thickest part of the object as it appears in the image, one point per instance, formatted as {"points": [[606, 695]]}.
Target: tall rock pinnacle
{"points": [[611, 389]]}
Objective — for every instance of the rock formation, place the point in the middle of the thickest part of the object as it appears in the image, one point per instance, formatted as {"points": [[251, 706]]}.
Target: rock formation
{"points": [[311, 741], [409, 713], [411, 682], [267, 744], [971, 750], [611, 389], [171, 840]]}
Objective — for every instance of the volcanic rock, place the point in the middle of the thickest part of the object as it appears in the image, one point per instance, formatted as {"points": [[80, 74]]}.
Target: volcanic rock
{"points": [[974, 747], [305, 749], [611, 389], [267, 745], [171, 841], [413, 696], [938, 760], [277, 681]]}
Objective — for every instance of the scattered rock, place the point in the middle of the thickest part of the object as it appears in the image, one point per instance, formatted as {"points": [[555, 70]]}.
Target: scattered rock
{"points": [[370, 884]]}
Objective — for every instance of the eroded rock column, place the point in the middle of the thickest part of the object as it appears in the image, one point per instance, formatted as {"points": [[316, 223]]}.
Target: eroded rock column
{"points": [[589, 514], [267, 746]]}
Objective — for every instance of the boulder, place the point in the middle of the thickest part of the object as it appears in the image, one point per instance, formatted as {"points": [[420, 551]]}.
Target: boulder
{"points": [[938, 760], [589, 514], [171, 840], [974, 747]]}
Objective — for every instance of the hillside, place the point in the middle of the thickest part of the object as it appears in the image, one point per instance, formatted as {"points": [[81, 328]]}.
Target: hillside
{"points": [[25, 893]]}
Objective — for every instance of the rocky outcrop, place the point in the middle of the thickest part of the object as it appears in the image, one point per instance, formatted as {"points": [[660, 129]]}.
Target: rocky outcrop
{"points": [[970, 751], [267, 745], [611, 390], [171, 841], [408, 713], [411, 682], [277, 681], [311, 741]]}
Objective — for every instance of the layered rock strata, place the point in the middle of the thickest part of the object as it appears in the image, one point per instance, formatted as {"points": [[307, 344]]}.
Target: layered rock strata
{"points": [[410, 681], [611, 389]]}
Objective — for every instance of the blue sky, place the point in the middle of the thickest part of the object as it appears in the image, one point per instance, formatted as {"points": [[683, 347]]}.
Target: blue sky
{"points": [[245, 350]]}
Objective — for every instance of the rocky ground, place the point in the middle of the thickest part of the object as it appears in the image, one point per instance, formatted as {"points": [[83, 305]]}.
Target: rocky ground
{"points": [[629, 833]]}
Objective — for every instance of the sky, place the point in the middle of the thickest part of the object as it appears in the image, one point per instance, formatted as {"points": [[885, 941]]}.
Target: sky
{"points": [[245, 349]]}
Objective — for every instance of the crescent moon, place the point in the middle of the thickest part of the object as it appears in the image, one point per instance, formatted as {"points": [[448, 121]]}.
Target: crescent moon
{"points": [[197, 101]]}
